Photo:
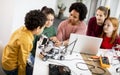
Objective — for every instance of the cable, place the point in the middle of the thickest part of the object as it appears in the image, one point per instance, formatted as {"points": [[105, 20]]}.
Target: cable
{"points": [[73, 46], [102, 73], [91, 69], [74, 42], [92, 66]]}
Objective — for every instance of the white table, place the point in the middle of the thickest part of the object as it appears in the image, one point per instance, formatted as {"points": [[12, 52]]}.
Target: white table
{"points": [[41, 67]]}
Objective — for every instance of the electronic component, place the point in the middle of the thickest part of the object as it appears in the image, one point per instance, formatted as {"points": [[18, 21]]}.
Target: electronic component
{"points": [[48, 50], [52, 53], [43, 57], [104, 62]]}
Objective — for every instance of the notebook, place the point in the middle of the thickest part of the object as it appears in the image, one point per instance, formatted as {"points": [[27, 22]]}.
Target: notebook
{"points": [[84, 44]]}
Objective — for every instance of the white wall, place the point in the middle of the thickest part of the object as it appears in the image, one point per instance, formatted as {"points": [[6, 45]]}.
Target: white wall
{"points": [[114, 6], [118, 11], [6, 19], [23, 6], [68, 3], [13, 11]]}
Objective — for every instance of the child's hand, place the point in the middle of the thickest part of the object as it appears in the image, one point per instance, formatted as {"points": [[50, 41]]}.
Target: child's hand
{"points": [[54, 39], [58, 43], [117, 47], [63, 43]]}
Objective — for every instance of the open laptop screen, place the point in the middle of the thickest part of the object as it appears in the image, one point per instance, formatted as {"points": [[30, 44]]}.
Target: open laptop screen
{"points": [[84, 44]]}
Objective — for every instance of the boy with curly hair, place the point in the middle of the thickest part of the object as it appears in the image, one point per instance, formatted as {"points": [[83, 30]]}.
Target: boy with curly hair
{"points": [[15, 54]]}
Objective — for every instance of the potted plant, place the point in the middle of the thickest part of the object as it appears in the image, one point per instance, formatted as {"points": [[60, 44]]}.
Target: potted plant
{"points": [[61, 8]]}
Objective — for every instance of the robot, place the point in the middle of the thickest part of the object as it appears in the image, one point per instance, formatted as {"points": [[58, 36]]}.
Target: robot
{"points": [[49, 51]]}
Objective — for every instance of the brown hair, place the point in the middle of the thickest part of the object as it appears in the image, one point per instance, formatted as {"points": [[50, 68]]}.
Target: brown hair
{"points": [[115, 23], [45, 10], [105, 10]]}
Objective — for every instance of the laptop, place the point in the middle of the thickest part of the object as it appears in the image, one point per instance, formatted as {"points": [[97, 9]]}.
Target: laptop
{"points": [[84, 44]]}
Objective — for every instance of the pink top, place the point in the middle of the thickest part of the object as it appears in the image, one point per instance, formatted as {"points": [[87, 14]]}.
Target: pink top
{"points": [[65, 29]]}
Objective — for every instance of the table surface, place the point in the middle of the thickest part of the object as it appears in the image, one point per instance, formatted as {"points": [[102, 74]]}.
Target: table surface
{"points": [[41, 67]]}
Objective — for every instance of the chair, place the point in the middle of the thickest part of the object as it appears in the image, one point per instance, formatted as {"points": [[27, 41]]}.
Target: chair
{"points": [[1, 50]]}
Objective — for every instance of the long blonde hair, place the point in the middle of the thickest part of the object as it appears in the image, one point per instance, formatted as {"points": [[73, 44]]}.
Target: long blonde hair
{"points": [[115, 24]]}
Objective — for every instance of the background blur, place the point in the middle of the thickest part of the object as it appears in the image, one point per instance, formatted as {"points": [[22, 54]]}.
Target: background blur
{"points": [[12, 12]]}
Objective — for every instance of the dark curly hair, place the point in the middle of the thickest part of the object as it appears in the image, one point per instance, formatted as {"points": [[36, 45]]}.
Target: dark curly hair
{"points": [[80, 8], [47, 11], [34, 18]]}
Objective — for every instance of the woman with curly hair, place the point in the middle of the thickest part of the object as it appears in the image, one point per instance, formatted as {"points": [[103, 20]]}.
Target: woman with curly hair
{"points": [[15, 54], [74, 24]]}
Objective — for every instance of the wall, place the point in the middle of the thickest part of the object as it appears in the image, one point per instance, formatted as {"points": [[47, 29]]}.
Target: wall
{"points": [[6, 19], [91, 8], [23, 6], [117, 14], [67, 3], [13, 11]]}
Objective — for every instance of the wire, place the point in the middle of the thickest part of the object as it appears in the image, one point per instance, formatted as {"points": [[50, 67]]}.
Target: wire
{"points": [[74, 42], [73, 46], [92, 67], [102, 73]]}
